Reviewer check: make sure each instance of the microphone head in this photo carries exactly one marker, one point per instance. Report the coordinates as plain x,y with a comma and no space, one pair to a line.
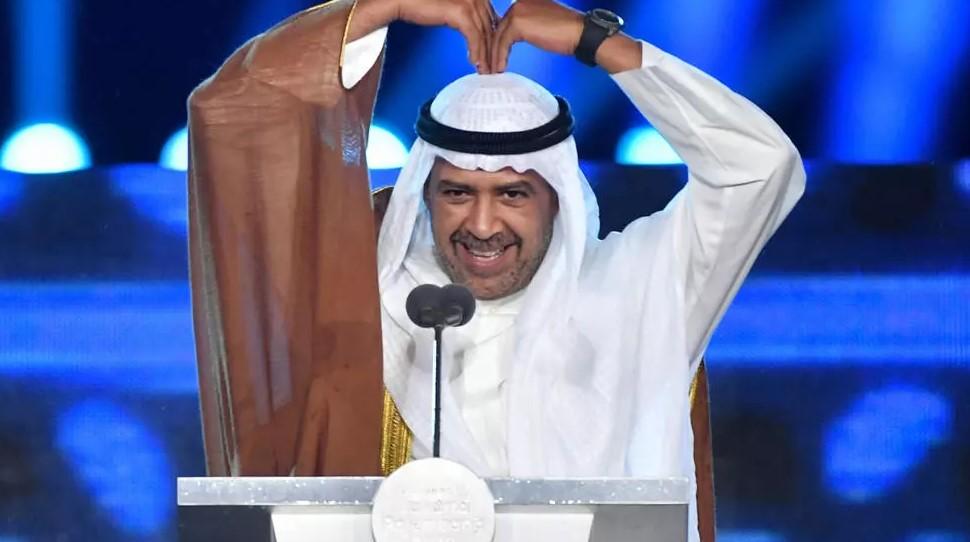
424,305
457,305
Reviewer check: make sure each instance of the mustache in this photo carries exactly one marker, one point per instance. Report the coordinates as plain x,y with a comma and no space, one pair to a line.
498,241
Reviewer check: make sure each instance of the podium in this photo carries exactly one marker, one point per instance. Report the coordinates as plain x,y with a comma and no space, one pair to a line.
253,509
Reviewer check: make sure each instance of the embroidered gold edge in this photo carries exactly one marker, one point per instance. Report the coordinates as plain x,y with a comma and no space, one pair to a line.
395,437
693,385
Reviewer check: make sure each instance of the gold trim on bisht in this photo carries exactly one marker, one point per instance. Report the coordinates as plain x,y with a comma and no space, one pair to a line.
395,438
693,384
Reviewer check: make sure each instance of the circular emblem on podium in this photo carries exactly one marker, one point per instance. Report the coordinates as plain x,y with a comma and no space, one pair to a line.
433,500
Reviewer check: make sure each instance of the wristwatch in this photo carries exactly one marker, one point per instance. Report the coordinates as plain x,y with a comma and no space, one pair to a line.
598,25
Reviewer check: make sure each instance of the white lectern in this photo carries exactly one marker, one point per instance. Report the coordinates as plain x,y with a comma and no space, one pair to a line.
251,509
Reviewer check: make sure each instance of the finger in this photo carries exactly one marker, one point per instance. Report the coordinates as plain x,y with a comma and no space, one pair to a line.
493,50
465,23
485,30
505,36
482,33
487,11
488,17
473,37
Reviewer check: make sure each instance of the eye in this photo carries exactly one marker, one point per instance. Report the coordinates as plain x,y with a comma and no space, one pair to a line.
454,194
515,194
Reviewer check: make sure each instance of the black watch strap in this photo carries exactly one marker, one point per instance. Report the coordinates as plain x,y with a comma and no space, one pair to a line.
592,37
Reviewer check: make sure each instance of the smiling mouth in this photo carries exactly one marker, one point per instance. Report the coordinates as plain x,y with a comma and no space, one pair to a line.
484,262
485,255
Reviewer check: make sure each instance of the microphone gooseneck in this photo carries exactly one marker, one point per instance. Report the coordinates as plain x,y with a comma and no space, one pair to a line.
430,306
436,435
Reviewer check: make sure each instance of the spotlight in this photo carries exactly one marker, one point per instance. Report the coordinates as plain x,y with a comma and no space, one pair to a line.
175,153
645,146
384,149
44,148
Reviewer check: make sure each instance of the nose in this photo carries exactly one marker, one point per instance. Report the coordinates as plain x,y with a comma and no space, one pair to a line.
483,220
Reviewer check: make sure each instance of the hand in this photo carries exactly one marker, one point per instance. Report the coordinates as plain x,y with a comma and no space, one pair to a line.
475,19
545,24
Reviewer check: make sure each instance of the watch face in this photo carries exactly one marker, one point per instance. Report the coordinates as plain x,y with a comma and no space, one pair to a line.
606,18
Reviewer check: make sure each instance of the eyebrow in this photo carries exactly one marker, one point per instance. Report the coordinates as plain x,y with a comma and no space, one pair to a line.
522,185
445,184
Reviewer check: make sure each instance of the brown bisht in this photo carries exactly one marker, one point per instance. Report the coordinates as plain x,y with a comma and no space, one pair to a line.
283,259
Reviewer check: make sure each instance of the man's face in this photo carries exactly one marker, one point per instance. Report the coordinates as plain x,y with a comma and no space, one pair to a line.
491,230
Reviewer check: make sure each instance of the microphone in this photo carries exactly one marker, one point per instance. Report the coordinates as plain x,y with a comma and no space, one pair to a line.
433,306
457,305
423,305
430,306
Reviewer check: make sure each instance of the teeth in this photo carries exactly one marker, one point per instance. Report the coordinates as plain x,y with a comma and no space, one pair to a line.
486,255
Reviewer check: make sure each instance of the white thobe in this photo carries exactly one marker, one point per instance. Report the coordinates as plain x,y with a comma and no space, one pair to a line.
649,297
479,379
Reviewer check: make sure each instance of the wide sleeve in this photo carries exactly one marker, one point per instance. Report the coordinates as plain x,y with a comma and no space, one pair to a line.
283,259
744,176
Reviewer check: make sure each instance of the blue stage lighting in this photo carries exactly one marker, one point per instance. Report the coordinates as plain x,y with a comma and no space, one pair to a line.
44,148
937,536
175,153
897,67
86,334
645,146
767,323
961,175
158,194
384,149
11,190
886,434
121,462
42,46
741,535
714,35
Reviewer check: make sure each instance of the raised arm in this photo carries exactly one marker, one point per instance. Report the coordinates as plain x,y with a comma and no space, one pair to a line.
283,272
744,174
282,252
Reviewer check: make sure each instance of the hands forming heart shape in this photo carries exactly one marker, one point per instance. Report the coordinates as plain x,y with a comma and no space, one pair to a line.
546,24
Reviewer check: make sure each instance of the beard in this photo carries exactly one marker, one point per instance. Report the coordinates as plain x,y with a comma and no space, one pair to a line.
505,283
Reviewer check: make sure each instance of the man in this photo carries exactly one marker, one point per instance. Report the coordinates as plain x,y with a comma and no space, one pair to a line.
579,359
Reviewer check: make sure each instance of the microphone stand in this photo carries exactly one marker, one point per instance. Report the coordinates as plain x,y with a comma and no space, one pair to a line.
436,452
